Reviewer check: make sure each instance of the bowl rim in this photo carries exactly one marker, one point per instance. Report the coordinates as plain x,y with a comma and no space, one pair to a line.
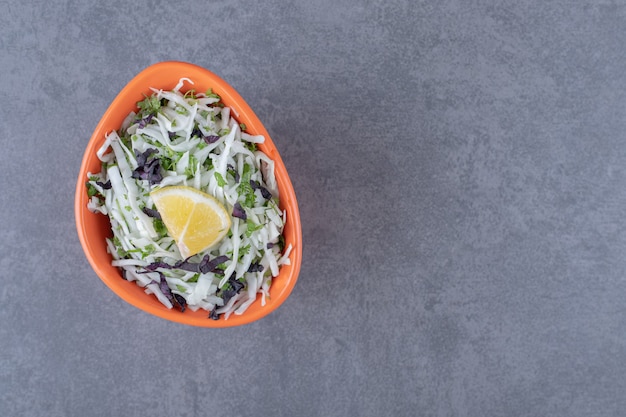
170,72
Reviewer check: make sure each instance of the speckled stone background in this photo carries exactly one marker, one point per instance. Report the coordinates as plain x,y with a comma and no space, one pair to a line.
461,173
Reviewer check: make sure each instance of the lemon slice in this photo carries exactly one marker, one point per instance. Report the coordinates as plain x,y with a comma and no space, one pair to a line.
194,219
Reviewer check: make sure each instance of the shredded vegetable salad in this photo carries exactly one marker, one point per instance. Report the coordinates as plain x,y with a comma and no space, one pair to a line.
190,139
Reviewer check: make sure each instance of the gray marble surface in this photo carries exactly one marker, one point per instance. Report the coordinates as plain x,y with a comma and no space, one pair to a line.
461,174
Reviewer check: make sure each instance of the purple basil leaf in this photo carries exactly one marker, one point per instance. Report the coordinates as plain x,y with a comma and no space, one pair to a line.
264,191
165,289
196,132
142,158
152,213
233,288
235,283
153,166
213,314
255,267
228,294
144,122
211,139
239,212
187,266
234,172
203,265
180,300
148,168
155,178
104,185
156,265
207,265
152,172
220,259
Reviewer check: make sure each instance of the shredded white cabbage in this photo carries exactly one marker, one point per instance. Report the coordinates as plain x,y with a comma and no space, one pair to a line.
198,143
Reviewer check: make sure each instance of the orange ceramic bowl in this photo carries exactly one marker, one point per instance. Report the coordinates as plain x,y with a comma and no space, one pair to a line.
94,228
